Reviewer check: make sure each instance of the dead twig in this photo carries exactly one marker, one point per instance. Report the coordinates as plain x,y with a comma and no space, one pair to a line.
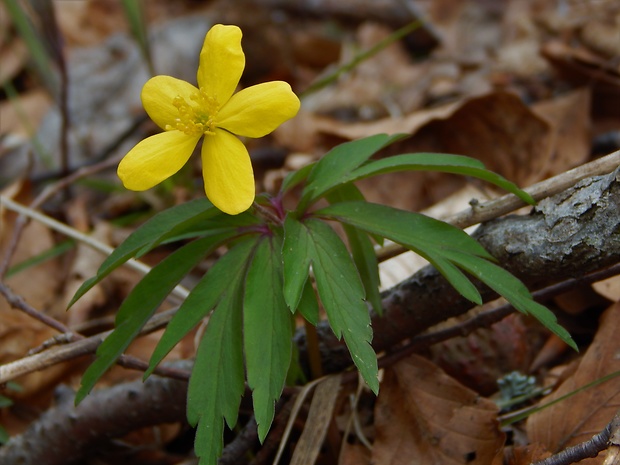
178,291
590,448
246,439
18,302
87,346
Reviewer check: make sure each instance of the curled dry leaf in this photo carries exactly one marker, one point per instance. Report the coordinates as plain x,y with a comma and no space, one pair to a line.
580,66
578,418
497,128
425,416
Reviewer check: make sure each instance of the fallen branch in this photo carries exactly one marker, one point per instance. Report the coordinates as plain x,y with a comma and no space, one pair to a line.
590,448
67,434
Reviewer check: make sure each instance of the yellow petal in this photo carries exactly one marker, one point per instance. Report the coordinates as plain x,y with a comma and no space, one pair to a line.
158,94
221,62
155,158
258,110
227,173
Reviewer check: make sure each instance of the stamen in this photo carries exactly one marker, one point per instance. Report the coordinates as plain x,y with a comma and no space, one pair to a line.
198,118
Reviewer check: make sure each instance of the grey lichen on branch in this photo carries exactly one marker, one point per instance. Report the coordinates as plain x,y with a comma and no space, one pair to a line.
566,235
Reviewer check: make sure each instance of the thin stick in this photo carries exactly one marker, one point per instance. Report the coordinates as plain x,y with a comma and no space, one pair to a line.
18,302
590,448
179,290
63,353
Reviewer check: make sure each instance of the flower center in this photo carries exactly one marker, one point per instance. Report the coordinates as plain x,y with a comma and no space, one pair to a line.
197,118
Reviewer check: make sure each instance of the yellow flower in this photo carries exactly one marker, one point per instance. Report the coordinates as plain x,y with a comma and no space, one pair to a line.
187,113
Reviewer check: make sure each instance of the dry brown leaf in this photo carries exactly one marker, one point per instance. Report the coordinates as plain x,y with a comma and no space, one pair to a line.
386,83
569,116
525,455
425,417
501,131
354,454
85,264
497,128
319,418
21,116
37,284
13,56
553,348
407,124
464,27
582,67
609,288
89,22
578,418
479,359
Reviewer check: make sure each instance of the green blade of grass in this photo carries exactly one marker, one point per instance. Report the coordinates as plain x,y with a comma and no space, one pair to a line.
44,256
363,56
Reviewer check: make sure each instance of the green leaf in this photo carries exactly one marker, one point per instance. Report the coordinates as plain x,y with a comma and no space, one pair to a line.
141,303
342,294
4,436
213,286
48,254
217,381
296,257
407,228
338,162
267,331
167,223
457,164
40,54
219,223
447,248
293,179
455,277
308,304
361,247
515,292
295,374
135,15
428,237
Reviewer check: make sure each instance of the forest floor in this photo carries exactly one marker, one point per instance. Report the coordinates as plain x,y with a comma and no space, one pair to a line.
531,88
